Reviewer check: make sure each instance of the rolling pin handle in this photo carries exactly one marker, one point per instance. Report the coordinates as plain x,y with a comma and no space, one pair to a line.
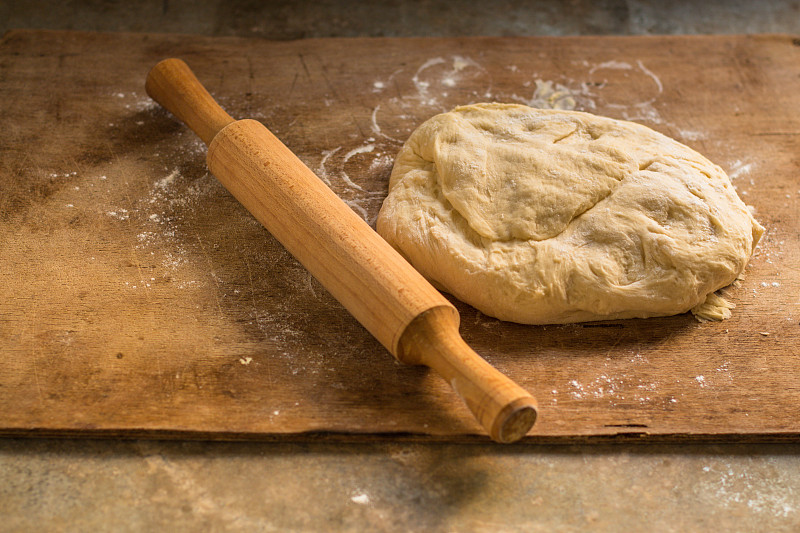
504,409
172,84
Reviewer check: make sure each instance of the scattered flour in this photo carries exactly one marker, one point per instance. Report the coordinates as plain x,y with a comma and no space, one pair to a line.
738,169
360,498
119,214
364,149
136,101
167,180
618,65
332,168
737,486
615,384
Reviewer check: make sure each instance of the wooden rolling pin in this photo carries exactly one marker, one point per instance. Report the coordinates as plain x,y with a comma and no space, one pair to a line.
361,270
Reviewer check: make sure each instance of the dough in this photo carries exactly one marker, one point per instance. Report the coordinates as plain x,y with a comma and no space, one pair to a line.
546,216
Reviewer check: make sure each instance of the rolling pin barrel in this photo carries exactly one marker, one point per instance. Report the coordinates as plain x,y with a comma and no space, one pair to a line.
361,270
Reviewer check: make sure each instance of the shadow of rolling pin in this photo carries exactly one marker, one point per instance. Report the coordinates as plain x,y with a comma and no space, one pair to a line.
361,270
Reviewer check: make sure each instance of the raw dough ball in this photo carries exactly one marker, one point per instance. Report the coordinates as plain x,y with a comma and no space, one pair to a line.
547,216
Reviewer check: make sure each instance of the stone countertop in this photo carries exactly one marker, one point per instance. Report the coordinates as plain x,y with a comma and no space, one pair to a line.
91,485
80,485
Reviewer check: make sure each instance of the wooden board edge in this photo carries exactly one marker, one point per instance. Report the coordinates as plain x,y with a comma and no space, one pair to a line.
618,438
21,32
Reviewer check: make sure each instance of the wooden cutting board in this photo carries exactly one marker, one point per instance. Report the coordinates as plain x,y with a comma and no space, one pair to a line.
138,298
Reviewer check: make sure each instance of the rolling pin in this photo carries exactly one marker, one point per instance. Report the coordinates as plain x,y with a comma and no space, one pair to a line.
361,270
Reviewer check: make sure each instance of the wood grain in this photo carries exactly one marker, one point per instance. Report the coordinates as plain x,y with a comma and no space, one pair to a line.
137,297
